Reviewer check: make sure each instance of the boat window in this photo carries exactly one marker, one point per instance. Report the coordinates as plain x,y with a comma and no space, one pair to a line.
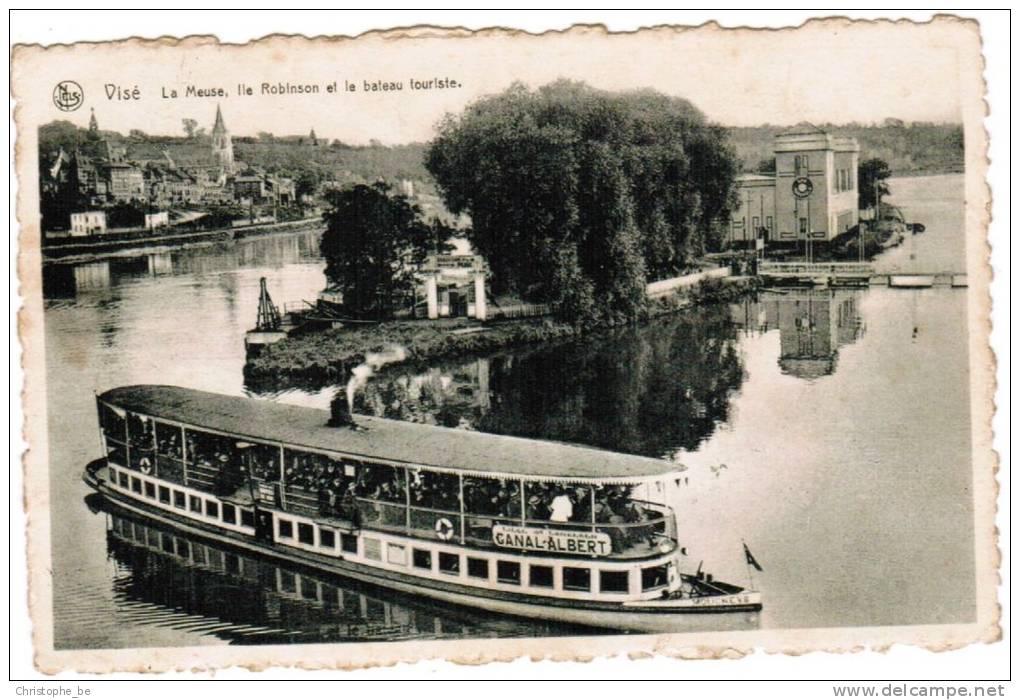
180,500
478,568
305,533
449,563
150,489
317,485
422,559
373,549
327,538
142,443
248,517
285,529
495,497
654,577
113,476
194,504
396,554
113,423
614,581
263,460
540,576
557,503
380,482
214,464
212,509
508,572
435,504
164,495
381,496
169,464
288,581
229,514
136,484
489,502
435,490
349,543
122,479
576,579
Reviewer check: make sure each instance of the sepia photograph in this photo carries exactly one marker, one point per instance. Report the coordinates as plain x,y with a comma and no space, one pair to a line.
488,344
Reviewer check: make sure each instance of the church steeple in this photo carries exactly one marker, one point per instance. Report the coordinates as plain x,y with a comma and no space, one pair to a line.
222,145
93,122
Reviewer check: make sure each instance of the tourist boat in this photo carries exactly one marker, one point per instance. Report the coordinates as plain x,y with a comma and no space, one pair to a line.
521,527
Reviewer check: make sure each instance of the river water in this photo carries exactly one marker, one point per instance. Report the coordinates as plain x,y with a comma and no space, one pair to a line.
829,430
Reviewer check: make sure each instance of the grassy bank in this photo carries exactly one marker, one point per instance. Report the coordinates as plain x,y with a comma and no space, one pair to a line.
326,357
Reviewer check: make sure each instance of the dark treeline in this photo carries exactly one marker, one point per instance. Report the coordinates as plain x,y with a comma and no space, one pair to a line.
578,196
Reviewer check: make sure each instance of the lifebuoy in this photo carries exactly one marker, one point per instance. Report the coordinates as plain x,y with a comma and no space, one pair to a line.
444,529
145,465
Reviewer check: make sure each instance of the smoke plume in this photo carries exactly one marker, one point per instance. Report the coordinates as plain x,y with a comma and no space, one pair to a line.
373,362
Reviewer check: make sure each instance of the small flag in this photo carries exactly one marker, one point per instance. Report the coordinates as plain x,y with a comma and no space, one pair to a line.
751,561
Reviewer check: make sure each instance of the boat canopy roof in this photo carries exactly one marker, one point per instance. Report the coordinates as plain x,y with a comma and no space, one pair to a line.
412,444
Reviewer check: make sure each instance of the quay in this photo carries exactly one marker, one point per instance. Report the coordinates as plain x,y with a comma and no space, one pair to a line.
855,274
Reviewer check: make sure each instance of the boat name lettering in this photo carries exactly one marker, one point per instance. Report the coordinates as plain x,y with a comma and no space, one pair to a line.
564,541
719,600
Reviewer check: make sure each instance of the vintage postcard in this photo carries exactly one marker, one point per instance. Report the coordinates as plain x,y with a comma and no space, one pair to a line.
438,344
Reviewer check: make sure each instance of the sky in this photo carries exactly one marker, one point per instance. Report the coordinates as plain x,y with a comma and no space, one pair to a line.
824,73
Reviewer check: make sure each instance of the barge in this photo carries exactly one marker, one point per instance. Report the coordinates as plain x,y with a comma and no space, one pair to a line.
522,527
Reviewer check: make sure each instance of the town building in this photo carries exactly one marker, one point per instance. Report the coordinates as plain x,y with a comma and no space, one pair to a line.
124,182
222,145
812,195
87,223
159,219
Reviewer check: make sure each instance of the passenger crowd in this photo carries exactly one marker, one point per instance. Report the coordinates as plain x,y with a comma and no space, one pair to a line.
341,489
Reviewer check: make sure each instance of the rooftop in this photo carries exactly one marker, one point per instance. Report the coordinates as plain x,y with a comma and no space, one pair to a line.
387,440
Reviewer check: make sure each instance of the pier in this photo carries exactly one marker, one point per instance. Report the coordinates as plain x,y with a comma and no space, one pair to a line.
856,274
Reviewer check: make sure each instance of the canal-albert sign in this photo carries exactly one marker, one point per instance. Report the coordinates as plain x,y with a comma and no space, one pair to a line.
560,541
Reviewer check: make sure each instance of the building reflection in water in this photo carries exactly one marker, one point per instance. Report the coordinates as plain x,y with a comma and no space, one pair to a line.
166,578
813,324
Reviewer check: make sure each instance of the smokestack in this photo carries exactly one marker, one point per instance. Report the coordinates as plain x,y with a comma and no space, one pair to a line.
340,415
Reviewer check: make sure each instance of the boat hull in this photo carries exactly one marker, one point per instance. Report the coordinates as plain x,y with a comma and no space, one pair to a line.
737,611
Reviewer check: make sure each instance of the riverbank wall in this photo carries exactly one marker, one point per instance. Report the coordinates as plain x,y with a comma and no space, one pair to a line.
92,249
318,359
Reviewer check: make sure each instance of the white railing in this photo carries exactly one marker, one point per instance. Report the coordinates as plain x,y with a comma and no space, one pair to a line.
836,268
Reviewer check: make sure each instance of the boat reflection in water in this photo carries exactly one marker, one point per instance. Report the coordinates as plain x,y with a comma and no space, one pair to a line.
166,578
813,325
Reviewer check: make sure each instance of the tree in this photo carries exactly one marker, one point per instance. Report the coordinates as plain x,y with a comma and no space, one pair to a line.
766,166
577,196
872,176
189,127
374,242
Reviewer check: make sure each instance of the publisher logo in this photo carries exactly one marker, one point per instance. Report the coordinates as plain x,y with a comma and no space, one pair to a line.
68,96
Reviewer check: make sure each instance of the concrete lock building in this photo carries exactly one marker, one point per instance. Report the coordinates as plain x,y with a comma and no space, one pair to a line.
812,196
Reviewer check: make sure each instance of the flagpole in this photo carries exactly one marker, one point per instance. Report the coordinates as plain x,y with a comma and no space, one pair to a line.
747,564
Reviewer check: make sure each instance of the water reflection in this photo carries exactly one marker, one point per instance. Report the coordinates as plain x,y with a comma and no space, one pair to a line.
652,390
166,578
75,280
812,323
